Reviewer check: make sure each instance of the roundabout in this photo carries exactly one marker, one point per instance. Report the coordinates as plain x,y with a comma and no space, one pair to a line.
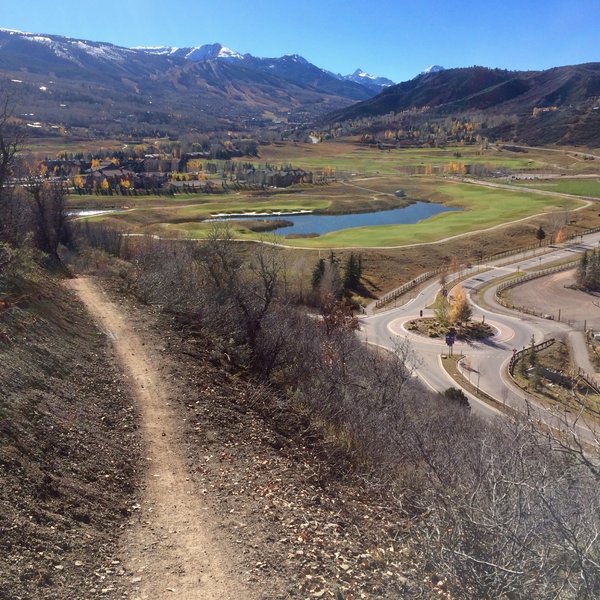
501,333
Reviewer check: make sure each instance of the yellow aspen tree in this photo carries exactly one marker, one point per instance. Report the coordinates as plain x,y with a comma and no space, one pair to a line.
561,236
460,310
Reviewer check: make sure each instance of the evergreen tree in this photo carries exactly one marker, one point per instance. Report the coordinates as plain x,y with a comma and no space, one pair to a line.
588,271
532,356
352,272
593,273
318,273
540,235
582,270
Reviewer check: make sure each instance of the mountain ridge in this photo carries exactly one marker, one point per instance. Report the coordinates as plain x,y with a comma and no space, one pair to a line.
113,87
557,105
217,51
65,82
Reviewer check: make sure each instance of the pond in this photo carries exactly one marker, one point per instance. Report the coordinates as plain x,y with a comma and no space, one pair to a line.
304,224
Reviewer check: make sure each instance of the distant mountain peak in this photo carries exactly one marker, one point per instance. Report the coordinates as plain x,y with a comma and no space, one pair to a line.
432,69
361,73
225,52
364,78
296,58
198,53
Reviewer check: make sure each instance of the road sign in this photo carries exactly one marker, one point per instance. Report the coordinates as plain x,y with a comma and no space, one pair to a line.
450,339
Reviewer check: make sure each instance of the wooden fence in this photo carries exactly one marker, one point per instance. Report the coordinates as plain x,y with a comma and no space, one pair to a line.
529,277
536,348
391,296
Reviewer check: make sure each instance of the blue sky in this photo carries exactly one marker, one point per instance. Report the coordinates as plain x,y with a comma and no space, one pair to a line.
394,38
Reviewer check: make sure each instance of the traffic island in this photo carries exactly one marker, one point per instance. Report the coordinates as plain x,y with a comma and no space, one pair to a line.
433,328
451,365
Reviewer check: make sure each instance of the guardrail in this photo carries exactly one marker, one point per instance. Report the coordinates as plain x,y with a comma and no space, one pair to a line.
536,348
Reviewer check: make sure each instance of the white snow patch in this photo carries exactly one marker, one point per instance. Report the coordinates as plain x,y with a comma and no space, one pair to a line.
40,38
14,31
433,69
103,51
228,53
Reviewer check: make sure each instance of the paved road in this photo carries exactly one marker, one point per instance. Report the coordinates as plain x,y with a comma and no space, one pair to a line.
488,358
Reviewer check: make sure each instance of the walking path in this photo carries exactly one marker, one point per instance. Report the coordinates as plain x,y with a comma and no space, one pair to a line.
173,551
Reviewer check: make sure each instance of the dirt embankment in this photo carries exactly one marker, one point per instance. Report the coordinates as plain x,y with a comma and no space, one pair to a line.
69,452
300,525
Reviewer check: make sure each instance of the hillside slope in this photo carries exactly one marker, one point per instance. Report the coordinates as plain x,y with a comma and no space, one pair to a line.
559,105
69,451
93,85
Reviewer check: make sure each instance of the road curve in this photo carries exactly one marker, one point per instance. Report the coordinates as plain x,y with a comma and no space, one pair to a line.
489,358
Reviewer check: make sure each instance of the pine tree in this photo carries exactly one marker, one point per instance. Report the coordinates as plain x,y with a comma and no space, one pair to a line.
352,272
540,235
592,282
317,273
532,357
582,271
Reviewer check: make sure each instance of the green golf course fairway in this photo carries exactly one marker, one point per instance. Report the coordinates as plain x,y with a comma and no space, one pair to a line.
578,187
482,208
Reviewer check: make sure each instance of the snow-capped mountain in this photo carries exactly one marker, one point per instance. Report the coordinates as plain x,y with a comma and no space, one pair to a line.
371,81
69,49
199,53
87,84
292,66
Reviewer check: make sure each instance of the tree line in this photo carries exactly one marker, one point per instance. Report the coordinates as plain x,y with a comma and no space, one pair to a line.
588,271
33,222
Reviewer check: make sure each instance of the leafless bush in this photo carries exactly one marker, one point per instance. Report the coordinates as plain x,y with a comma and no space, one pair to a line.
100,236
517,521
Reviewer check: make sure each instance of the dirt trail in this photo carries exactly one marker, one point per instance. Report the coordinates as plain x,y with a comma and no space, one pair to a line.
173,550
